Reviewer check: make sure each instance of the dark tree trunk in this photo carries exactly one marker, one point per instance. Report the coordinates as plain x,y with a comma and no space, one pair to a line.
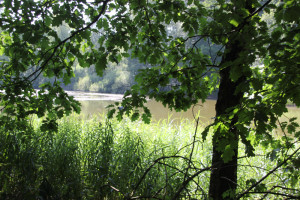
224,175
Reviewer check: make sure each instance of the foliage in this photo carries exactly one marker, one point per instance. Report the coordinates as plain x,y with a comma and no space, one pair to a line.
49,37
87,160
117,78
99,159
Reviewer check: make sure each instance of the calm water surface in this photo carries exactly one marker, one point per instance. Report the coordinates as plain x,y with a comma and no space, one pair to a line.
95,103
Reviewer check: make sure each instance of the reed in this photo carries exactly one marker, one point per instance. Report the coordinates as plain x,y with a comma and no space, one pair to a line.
107,159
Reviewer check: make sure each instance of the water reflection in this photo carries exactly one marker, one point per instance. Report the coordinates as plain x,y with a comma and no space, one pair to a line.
158,111
95,103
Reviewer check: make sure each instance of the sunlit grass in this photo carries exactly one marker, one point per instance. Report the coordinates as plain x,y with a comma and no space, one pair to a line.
97,158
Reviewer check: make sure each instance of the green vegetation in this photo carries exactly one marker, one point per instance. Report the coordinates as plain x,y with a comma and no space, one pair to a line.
250,55
117,78
98,159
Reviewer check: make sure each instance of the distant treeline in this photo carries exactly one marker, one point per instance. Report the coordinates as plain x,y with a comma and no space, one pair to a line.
117,78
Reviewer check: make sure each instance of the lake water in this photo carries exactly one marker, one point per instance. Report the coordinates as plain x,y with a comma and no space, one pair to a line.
95,103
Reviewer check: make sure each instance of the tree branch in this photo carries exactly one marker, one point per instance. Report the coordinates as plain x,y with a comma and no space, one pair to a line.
258,10
150,167
184,184
68,38
268,174
276,193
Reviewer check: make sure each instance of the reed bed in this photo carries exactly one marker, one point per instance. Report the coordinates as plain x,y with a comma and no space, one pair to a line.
107,159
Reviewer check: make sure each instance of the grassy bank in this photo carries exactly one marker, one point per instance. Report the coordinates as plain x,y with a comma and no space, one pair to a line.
100,159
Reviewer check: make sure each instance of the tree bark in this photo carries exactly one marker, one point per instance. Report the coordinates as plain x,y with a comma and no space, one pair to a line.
224,175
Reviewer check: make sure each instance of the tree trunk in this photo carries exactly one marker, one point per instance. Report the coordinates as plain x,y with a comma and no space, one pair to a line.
224,175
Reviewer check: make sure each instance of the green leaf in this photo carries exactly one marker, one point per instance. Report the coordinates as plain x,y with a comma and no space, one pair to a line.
257,84
234,22
228,154
135,116
292,13
60,113
205,132
235,73
101,65
49,125
260,188
146,118
7,3
83,63
102,23
2,49
57,21
111,113
48,21
276,34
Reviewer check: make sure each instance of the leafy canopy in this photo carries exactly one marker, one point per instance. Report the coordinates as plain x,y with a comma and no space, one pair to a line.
185,67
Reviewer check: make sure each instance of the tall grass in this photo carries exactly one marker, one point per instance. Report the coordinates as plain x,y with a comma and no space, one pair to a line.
101,159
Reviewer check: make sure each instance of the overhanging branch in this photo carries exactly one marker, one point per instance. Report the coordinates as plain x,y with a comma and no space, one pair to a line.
41,68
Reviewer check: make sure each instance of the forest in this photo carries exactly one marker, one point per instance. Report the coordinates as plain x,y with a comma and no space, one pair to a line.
176,52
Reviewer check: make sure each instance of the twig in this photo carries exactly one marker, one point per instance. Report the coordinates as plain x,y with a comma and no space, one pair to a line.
276,193
193,143
68,38
149,168
268,174
258,10
277,186
184,184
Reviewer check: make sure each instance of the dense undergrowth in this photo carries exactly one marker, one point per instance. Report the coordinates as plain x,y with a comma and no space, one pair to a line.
101,159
